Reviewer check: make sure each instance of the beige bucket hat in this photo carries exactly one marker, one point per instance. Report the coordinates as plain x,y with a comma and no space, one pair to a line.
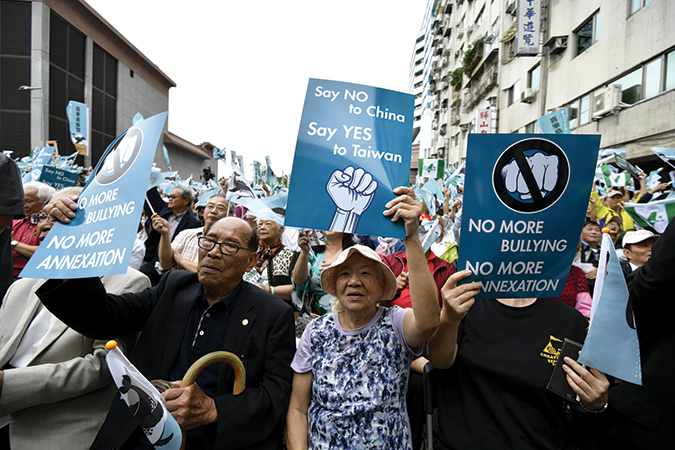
328,276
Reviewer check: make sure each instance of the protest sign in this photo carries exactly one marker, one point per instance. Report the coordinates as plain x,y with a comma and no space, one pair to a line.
524,205
612,345
98,240
58,178
43,157
353,149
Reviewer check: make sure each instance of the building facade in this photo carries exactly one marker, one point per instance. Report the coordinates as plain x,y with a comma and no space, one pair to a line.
64,50
610,63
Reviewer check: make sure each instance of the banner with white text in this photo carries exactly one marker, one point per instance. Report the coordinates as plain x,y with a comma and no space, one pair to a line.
99,239
525,200
353,149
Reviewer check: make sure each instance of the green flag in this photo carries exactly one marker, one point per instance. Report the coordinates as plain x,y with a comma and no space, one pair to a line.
615,178
431,168
656,214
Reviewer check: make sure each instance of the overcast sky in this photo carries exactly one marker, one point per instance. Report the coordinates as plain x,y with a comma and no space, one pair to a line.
241,68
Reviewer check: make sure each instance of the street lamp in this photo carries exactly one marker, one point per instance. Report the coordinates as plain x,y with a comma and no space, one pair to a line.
42,97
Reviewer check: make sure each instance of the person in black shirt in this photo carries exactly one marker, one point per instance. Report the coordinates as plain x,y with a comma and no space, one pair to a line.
499,355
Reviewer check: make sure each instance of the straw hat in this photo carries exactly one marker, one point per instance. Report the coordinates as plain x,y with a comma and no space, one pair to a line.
328,276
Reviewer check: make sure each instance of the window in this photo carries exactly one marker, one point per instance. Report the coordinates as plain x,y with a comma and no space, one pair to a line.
637,4
104,102
653,78
15,31
531,128
513,93
66,78
533,77
631,86
574,113
670,70
587,34
584,109
479,19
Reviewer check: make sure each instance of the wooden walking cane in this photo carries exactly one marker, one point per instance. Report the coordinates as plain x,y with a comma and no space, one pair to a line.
202,363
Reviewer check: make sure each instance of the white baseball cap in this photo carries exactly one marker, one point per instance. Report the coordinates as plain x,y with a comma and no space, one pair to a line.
633,237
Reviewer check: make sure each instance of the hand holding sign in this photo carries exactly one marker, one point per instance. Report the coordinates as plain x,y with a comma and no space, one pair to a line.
63,209
405,207
458,300
352,192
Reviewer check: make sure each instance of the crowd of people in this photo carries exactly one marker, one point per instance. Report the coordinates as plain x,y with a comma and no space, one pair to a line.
334,329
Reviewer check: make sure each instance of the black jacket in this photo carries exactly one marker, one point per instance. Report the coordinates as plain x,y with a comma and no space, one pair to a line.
261,332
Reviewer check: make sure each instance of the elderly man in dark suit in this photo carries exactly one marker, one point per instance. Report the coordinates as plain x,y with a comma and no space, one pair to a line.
184,317
177,212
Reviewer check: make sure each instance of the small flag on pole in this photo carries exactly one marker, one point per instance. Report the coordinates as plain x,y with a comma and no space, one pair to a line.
614,178
144,401
432,168
656,214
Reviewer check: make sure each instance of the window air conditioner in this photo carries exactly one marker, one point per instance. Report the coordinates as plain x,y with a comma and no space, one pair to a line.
527,96
464,126
606,100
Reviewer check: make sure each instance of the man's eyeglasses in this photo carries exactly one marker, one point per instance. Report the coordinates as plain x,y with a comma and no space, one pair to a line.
225,247
174,197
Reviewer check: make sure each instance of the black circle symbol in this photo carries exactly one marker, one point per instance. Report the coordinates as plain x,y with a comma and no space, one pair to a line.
121,157
531,175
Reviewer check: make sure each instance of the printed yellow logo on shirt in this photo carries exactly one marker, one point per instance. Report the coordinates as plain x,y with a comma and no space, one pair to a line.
552,350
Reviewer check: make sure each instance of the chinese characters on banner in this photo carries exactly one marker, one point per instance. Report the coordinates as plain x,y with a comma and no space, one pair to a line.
527,31
484,121
555,122
78,124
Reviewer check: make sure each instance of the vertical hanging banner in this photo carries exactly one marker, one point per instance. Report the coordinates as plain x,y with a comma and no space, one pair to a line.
353,149
271,178
98,240
529,24
78,120
525,200
555,122
484,121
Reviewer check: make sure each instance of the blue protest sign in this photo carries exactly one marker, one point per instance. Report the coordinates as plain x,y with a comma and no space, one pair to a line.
78,122
525,200
98,240
58,178
353,149
611,345
555,122
44,156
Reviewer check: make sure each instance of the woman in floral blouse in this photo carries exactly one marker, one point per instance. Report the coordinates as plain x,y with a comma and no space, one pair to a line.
351,366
